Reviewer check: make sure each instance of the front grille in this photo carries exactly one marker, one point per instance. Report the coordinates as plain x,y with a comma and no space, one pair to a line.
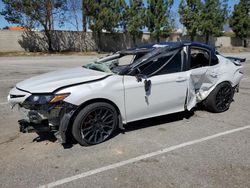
16,96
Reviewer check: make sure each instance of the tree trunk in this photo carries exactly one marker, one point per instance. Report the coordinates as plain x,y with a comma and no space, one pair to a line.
49,38
207,38
84,27
84,22
84,40
49,26
134,40
244,43
192,37
98,41
158,37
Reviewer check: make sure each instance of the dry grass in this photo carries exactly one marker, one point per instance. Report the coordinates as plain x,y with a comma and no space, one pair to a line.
233,49
16,54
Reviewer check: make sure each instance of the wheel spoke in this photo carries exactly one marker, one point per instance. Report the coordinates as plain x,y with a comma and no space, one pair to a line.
92,136
110,115
108,126
96,134
105,114
105,132
87,129
97,125
109,122
101,136
86,134
223,98
100,113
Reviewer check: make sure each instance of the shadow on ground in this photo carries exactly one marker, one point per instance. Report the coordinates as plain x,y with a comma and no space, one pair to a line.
141,124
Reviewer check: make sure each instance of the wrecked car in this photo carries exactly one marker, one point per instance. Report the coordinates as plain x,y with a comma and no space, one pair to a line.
89,103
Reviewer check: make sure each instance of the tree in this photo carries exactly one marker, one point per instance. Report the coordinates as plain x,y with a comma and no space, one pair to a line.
157,18
240,20
134,13
213,17
84,17
33,13
102,15
190,12
74,8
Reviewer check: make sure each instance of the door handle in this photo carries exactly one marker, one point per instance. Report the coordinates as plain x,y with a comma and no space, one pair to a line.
181,79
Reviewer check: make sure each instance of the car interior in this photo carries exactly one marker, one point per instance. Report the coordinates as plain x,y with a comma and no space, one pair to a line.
162,65
199,58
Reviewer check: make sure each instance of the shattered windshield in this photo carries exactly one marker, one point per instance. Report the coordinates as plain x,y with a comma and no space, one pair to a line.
120,63
111,64
102,66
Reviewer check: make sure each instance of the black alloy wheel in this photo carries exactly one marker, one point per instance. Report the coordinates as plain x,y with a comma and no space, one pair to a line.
95,123
224,98
220,98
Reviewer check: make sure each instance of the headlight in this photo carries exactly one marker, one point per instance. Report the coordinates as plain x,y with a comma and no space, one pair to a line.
59,97
43,99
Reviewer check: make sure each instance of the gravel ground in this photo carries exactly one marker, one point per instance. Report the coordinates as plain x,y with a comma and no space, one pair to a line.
219,162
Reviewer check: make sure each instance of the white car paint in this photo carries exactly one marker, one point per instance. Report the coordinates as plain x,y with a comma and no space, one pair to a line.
167,95
168,92
48,82
203,80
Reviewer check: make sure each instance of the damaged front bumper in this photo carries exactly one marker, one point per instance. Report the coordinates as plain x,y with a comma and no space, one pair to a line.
42,117
47,118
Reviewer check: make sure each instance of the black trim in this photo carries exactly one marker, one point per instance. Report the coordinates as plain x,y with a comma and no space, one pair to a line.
23,90
16,96
63,87
241,60
71,85
200,48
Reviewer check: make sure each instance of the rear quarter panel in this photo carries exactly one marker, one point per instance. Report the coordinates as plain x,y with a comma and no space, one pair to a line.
228,72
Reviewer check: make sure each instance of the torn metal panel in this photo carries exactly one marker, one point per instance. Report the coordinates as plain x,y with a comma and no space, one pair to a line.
50,117
201,81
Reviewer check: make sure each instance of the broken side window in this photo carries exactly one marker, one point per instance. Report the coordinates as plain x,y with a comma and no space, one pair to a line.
199,58
163,65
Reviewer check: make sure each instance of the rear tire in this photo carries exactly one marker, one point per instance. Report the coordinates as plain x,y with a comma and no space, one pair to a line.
220,98
95,123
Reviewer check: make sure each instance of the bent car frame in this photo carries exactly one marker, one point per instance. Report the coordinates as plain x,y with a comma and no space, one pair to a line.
88,103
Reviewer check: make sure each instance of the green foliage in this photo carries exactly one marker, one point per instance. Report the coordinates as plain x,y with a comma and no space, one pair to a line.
240,20
213,17
205,17
133,17
190,13
103,15
33,13
157,18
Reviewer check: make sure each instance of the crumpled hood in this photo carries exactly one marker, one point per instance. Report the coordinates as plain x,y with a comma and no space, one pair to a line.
49,82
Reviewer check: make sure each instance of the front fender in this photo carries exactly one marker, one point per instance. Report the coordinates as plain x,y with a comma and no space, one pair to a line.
111,89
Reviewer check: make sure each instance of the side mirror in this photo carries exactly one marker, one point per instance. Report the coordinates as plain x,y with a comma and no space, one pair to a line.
139,77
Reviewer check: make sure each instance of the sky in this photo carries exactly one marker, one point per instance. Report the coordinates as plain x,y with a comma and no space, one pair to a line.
68,26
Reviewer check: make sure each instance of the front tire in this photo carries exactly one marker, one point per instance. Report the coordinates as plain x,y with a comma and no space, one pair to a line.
95,123
220,98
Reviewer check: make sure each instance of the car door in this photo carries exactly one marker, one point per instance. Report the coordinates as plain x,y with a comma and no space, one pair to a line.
166,93
203,75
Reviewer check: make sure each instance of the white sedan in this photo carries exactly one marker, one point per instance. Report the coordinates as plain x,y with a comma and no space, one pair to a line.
88,103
